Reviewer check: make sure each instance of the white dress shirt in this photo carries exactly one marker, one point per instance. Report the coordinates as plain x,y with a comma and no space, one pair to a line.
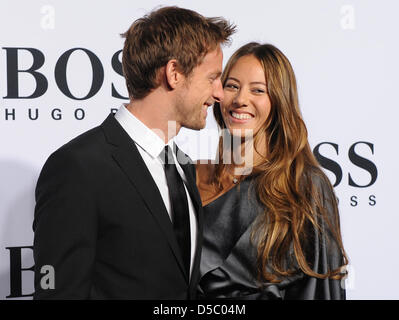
150,146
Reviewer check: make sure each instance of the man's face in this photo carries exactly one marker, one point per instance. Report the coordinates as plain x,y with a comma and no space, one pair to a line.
199,91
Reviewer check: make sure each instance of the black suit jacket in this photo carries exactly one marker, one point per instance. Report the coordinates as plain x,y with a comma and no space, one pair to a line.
101,223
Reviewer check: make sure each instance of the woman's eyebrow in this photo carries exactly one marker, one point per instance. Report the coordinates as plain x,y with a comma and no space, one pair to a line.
254,82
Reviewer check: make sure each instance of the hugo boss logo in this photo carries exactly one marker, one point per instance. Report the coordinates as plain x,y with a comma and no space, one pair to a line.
14,73
360,155
25,65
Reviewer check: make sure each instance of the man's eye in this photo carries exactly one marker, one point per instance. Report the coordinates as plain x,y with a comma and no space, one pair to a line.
212,79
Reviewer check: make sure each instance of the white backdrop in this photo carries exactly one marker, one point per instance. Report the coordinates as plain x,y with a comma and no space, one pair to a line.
345,55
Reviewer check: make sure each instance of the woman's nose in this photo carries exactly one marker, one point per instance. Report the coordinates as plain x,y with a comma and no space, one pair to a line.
241,99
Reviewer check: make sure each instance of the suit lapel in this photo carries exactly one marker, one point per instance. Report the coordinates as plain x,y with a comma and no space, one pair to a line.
131,163
189,171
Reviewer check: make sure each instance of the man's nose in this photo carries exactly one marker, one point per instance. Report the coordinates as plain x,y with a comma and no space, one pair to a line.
218,93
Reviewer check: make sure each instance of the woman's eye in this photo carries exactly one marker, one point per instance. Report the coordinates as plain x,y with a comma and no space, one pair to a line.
258,91
231,86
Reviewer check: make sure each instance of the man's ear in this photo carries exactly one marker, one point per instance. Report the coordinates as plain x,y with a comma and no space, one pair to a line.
173,76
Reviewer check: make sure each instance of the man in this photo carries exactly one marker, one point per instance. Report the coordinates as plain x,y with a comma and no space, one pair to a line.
116,217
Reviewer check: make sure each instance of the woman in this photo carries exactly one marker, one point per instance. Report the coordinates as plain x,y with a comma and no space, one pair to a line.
271,223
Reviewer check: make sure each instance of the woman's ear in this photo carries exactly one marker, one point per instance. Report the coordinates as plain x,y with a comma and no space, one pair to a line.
173,76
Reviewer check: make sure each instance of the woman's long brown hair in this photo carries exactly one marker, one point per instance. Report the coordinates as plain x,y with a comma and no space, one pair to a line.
294,206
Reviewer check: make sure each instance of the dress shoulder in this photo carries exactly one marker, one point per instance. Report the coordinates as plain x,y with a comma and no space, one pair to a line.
325,194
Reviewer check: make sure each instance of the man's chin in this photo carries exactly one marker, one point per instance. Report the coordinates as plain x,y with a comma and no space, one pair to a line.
198,125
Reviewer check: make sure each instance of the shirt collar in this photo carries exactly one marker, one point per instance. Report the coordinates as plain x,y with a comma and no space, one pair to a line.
143,136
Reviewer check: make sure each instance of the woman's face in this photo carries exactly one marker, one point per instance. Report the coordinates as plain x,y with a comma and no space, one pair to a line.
246,104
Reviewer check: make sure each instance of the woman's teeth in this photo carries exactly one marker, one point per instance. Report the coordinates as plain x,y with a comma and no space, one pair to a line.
241,116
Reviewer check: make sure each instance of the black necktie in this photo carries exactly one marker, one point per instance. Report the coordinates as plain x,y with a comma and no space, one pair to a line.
180,213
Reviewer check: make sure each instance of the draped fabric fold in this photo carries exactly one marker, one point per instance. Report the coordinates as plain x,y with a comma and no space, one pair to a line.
228,265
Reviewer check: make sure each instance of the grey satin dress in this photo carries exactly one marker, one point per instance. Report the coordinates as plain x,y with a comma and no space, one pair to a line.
228,269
